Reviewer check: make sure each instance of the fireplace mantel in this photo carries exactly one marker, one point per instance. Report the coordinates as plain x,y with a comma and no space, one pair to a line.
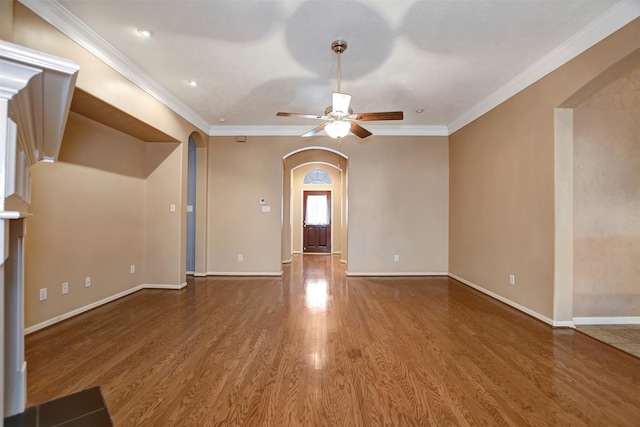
35,95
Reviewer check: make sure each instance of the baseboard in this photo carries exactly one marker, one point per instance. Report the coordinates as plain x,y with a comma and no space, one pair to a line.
189,273
80,310
617,320
515,305
394,273
287,261
245,273
162,286
563,324
199,274
97,304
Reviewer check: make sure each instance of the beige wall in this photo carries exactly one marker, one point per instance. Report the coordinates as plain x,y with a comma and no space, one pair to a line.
397,202
607,200
336,203
159,236
163,167
398,205
240,175
502,183
88,220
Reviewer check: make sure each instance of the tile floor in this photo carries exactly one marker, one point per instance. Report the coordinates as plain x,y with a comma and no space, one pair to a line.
624,337
83,409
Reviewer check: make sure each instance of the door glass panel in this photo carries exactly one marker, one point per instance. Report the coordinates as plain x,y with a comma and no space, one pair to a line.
317,210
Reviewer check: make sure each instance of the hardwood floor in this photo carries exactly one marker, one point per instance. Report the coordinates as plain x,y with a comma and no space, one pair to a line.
315,348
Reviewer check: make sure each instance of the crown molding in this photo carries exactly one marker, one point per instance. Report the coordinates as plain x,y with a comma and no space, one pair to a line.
59,17
277,130
608,23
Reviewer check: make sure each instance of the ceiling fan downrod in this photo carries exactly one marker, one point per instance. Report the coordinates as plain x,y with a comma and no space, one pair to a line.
338,47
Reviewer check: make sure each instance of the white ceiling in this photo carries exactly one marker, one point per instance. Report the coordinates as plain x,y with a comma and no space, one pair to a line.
454,59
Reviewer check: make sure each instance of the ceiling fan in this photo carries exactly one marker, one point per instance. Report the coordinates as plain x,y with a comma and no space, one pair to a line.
339,118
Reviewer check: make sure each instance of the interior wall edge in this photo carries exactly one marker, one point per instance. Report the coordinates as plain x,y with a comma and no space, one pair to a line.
504,300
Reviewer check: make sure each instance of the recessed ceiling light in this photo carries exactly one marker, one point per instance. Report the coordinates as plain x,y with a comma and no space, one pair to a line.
420,110
145,32
193,83
221,120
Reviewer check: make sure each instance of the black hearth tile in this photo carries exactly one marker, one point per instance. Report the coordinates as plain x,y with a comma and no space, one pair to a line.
29,418
71,407
99,418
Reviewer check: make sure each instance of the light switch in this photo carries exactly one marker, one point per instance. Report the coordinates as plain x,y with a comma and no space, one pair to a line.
266,209
172,208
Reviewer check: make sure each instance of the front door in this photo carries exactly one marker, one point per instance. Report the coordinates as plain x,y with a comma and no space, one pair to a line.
316,222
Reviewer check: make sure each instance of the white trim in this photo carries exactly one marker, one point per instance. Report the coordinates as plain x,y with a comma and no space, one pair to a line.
301,165
163,286
605,25
315,147
287,261
563,324
32,57
244,273
80,310
500,298
14,214
297,130
96,304
55,14
618,320
394,273
199,274
189,273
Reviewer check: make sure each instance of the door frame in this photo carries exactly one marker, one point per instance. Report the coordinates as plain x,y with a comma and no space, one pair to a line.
321,189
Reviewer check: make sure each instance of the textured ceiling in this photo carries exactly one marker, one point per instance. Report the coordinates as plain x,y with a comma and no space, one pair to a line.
252,59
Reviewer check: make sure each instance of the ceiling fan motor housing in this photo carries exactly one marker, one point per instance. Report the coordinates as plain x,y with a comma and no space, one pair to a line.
339,46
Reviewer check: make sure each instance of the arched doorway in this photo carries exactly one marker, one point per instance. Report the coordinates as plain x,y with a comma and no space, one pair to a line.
196,190
295,167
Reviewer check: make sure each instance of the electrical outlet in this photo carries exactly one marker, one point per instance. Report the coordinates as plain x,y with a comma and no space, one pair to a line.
87,282
65,288
133,269
396,258
43,294
239,257
512,279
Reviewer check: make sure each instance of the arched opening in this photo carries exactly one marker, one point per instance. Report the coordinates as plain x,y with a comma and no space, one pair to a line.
596,221
196,223
296,165
191,203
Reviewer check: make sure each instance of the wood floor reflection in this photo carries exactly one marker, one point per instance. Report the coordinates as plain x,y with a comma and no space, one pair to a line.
315,348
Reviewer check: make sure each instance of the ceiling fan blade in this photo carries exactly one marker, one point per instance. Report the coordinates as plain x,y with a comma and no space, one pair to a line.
358,130
341,103
387,115
299,115
315,130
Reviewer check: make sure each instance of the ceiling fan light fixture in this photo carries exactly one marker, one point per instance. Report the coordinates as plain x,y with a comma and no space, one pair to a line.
337,129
